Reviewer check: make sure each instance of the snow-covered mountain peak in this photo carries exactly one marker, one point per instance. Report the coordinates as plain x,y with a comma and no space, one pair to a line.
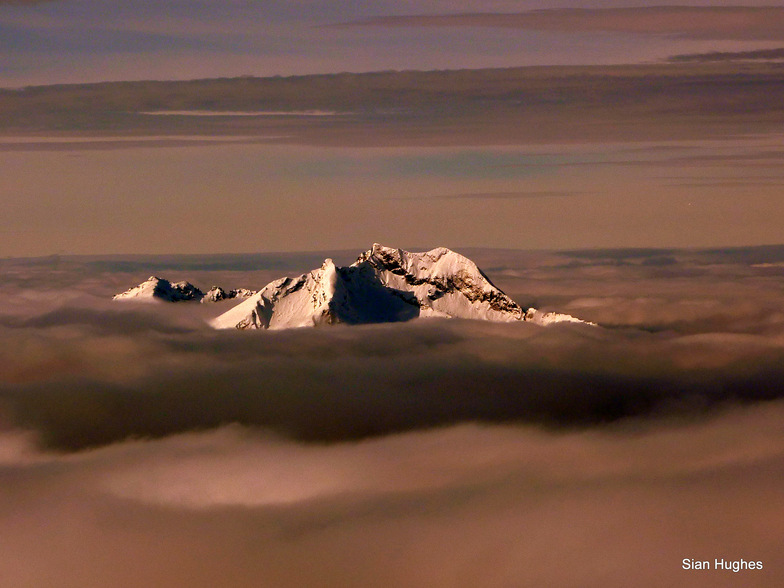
384,284
155,288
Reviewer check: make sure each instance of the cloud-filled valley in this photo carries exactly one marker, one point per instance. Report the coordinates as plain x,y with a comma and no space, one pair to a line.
680,335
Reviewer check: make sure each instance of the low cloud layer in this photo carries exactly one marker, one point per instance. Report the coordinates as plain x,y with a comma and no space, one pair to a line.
140,447
461,506
680,336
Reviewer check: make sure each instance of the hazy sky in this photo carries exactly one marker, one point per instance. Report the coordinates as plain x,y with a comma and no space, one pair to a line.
255,197
93,40
173,197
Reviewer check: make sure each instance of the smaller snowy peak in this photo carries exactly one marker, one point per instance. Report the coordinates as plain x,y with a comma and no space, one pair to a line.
218,294
155,288
241,293
160,289
215,294
550,318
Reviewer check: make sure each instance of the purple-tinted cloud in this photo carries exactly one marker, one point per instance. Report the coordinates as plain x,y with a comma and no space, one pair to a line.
734,22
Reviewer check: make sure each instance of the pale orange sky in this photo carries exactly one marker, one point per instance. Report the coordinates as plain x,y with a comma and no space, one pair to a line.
252,197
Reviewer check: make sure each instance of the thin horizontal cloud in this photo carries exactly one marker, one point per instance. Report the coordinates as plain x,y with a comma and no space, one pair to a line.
750,157
744,179
24,2
111,143
498,195
759,55
727,184
698,22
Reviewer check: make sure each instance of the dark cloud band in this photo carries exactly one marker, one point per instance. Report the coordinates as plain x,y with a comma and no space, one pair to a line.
760,55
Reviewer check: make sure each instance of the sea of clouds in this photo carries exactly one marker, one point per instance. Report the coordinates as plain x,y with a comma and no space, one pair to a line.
139,447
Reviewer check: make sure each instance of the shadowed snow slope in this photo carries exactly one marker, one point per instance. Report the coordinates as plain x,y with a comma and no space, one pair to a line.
383,285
